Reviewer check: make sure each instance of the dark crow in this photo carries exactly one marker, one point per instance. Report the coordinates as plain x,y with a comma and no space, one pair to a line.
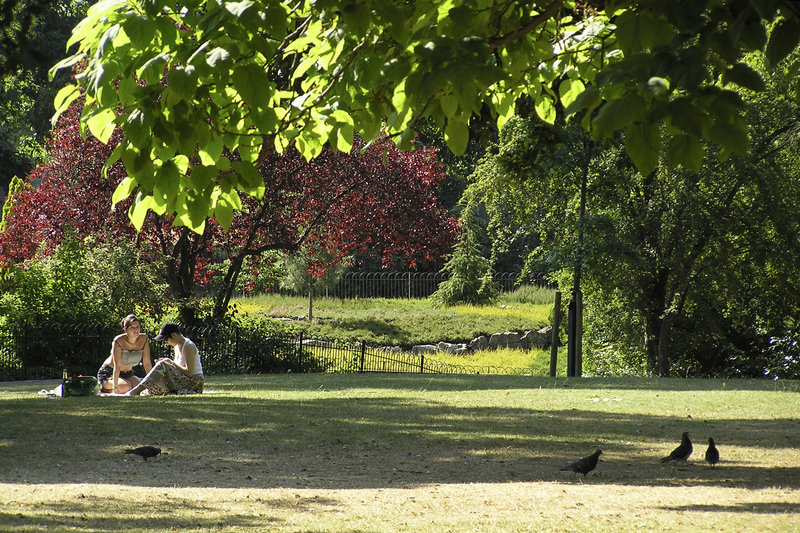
144,452
712,453
585,465
682,452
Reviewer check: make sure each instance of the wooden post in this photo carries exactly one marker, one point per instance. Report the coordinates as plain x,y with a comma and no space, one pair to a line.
579,334
554,338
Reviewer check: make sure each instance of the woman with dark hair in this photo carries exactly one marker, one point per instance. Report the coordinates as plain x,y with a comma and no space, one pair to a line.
127,350
181,375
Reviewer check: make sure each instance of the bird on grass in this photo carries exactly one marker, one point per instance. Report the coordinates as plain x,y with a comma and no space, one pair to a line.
144,452
712,453
682,452
585,465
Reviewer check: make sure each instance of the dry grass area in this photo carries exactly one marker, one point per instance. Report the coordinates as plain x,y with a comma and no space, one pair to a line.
361,453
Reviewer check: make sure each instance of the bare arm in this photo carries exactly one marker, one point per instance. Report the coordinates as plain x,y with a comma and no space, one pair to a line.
147,361
116,352
189,355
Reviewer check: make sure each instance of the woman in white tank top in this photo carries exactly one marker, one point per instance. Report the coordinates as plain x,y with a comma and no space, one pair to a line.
181,375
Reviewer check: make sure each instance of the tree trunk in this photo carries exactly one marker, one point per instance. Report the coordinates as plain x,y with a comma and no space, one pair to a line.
651,332
665,346
310,302
658,332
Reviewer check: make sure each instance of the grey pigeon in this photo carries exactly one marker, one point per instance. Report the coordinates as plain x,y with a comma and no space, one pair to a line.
712,453
682,452
585,465
144,452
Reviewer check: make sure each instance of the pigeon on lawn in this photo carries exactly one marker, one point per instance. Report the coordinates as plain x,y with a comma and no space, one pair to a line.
712,453
144,452
682,452
585,465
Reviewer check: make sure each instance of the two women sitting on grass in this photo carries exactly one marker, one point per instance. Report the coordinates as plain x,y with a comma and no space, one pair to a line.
183,374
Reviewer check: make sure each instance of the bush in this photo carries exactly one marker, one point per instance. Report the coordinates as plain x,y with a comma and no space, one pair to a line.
82,283
78,286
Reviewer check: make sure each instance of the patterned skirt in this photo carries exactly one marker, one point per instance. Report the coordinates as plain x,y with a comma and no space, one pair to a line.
165,379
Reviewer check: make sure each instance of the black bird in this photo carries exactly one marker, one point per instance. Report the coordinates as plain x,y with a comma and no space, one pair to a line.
682,452
144,452
712,453
585,465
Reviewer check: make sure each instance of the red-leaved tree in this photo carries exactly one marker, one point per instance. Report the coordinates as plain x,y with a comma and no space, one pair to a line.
375,199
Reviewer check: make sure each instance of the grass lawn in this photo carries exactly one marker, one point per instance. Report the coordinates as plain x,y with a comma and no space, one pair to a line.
402,453
389,322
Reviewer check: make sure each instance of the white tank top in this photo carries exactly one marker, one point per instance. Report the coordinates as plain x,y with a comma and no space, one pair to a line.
181,359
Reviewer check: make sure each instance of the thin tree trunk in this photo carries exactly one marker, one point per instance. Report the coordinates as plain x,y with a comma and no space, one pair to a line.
651,331
664,346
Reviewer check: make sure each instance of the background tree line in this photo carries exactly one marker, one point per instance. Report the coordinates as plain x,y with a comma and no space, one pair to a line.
686,133
685,272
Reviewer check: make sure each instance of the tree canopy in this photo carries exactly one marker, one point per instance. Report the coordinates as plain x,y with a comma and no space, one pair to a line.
379,200
684,272
188,82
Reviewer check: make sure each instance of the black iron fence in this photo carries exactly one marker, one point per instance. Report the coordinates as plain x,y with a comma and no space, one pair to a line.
43,352
413,284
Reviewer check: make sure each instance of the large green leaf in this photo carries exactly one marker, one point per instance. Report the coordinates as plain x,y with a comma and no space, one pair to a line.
731,136
640,30
643,145
123,190
64,98
686,150
546,109
783,39
182,84
616,115
166,187
456,134
744,76
569,91
253,84
102,124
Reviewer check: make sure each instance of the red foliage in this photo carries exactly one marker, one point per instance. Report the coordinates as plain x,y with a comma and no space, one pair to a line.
382,201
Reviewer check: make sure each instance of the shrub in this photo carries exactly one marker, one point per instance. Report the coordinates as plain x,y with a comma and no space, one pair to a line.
77,286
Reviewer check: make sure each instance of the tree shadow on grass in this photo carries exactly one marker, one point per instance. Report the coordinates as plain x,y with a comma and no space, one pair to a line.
433,382
375,328
334,440
750,507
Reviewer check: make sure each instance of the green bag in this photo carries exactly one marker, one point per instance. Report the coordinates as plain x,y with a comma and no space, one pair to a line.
80,386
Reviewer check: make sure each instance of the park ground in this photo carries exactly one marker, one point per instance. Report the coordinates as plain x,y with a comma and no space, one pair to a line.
375,453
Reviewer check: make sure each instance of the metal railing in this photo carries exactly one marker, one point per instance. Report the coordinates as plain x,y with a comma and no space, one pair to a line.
413,284
44,351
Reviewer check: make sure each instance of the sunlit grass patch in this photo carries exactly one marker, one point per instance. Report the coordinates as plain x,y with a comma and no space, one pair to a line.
398,322
342,453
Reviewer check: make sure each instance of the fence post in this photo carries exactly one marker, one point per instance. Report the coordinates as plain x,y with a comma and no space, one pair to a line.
300,351
579,334
554,337
363,354
421,363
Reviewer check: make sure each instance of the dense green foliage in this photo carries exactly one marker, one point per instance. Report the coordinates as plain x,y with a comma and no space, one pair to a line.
186,85
471,274
33,35
683,272
82,283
